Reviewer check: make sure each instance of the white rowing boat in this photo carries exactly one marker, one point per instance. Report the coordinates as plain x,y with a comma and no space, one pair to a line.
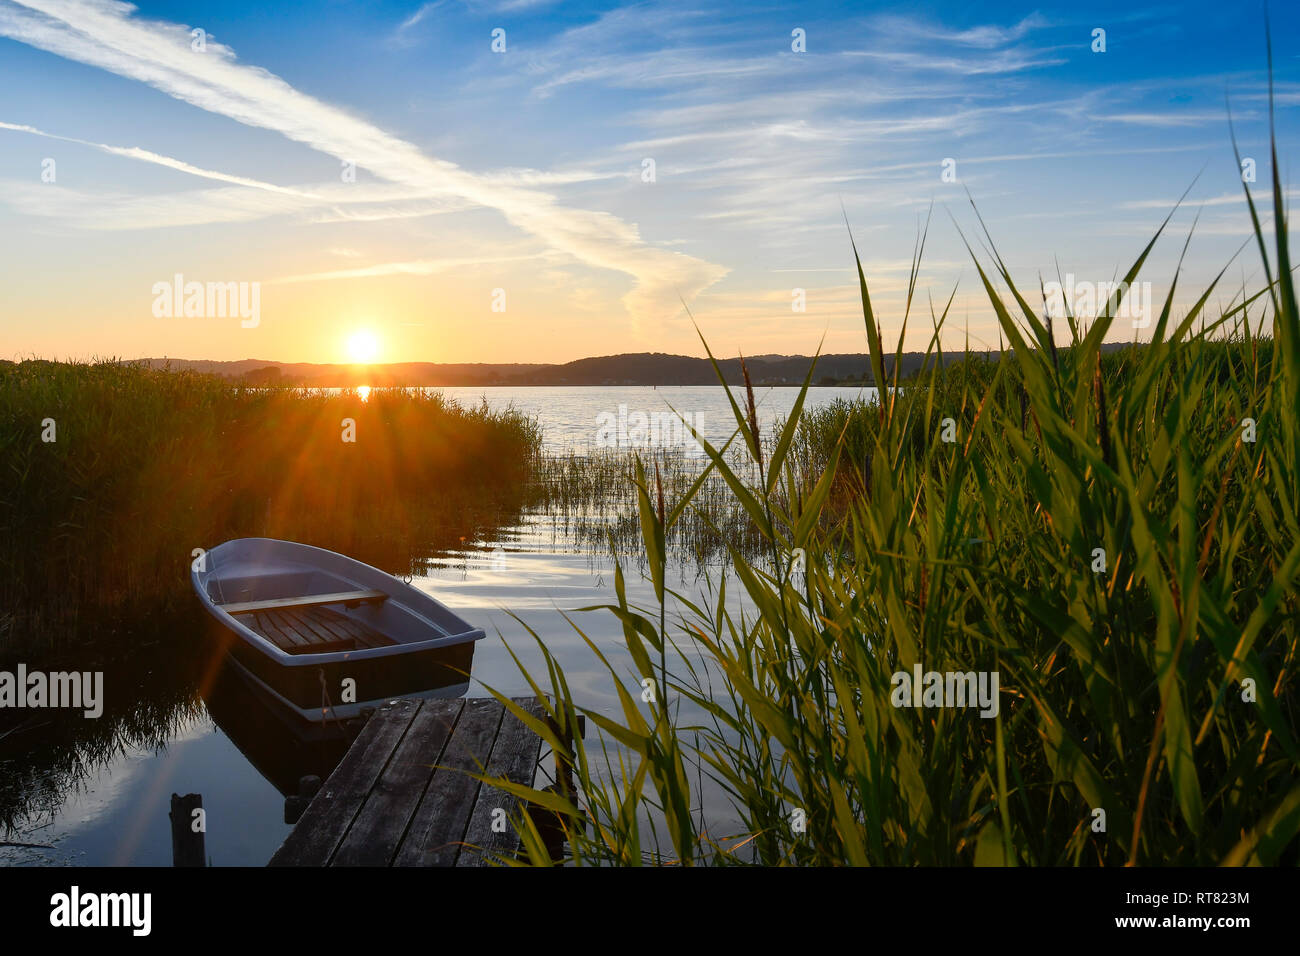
327,635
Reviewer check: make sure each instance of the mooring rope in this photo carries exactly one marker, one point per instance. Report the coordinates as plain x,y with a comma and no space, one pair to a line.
327,705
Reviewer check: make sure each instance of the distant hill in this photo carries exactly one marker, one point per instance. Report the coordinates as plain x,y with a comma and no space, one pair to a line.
399,373
633,368
642,368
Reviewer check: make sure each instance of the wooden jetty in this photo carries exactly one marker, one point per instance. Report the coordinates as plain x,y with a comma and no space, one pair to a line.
400,797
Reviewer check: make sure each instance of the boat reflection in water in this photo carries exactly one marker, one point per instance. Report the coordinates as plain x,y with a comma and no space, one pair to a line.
293,754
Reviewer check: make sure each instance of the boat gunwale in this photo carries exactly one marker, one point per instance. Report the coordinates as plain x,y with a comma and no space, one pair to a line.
319,715
392,584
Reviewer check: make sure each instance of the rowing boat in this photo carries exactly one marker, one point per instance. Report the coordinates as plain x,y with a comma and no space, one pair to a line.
327,635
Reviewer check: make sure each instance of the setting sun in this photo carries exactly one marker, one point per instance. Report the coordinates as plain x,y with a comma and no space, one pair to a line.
362,347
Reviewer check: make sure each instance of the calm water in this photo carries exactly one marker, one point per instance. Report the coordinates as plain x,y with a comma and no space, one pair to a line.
572,416
105,801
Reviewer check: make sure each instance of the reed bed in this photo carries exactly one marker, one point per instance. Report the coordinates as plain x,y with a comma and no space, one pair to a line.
1117,538
592,498
146,465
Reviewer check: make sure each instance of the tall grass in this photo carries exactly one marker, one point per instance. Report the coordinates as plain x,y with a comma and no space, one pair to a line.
1148,706
148,465
592,499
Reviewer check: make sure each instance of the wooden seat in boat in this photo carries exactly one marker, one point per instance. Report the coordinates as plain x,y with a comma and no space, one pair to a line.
348,598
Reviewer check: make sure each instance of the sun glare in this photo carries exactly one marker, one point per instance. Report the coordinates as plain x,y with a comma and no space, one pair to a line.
363,347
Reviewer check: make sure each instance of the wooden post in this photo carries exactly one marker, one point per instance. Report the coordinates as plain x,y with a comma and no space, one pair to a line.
354,726
551,825
187,844
296,806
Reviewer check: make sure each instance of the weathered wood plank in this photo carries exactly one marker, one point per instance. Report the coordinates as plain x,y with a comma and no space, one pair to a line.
403,794
317,640
315,630
332,626
514,757
433,838
308,640
266,627
289,626
325,823
337,597
319,632
345,627
382,821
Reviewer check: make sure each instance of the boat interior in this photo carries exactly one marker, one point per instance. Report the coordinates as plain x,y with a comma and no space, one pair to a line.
313,630
301,612
308,601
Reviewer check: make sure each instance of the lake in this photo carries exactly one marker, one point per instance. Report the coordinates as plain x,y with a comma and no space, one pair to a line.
87,798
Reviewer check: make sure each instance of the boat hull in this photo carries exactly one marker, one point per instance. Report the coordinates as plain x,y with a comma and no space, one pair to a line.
339,656
316,693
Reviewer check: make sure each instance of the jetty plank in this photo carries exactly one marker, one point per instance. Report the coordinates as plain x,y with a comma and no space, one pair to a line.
380,824
443,816
512,760
404,796
335,806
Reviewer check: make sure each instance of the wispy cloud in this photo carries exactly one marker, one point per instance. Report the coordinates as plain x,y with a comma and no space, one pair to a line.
114,211
1000,61
984,36
144,155
107,34
1228,199
421,267
759,152
200,207
1163,119
420,14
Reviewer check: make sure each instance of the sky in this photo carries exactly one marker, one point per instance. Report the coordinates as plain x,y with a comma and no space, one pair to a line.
531,181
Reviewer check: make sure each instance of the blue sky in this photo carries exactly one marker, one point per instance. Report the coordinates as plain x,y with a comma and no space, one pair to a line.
522,170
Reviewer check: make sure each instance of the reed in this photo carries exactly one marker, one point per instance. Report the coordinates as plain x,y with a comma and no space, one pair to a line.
592,499
1117,537
149,464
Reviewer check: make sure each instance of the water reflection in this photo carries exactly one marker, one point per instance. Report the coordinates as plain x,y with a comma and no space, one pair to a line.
178,715
49,757
283,747
279,743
